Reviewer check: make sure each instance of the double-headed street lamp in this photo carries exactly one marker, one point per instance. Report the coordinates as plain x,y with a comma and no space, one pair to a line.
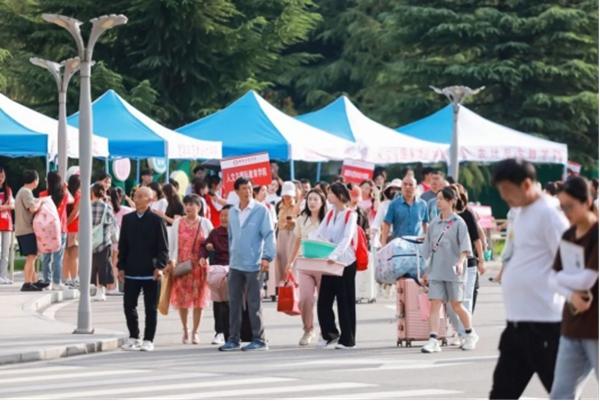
71,66
456,95
99,26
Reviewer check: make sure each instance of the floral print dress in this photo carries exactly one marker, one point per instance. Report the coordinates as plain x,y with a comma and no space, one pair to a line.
190,290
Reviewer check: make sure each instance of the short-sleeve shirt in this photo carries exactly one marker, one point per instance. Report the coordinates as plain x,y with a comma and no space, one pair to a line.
73,227
471,223
305,226
583,325
406,219
23,217
445,241
6,223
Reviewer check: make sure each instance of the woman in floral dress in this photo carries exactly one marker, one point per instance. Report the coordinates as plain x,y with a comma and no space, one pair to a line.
189,291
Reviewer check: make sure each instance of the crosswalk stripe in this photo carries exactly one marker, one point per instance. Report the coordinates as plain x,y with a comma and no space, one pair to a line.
69,375
242,393
104,392
92,382
381,394
11,371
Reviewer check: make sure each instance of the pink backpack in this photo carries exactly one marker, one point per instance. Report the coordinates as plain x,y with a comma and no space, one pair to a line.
46,226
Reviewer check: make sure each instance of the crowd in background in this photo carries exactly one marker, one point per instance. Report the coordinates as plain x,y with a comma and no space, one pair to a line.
256,231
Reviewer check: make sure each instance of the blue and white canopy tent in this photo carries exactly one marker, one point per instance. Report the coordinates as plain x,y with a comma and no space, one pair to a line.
25,133
132,134
482,140
251,125
377,143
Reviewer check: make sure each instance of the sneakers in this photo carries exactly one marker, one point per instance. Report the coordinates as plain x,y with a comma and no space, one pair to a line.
147,346
100,294
229,346
195,338
219,339
57,287
456,341
30,287
132,344
41,284
306,339
342,346
433,345
256,345
470,341
113,292
323,343
5,281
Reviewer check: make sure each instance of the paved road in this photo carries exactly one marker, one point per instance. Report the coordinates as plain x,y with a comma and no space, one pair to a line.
377,369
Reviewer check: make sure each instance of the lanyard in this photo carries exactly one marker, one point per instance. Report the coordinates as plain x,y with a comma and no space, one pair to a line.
439,240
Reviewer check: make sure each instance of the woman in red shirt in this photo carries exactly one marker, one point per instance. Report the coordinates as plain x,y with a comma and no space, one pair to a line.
7,204
52,262
70,266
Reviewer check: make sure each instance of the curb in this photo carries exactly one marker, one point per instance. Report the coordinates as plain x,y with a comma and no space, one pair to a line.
84,347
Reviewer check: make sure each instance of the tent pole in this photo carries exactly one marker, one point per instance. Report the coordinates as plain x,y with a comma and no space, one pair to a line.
167,172
318,172
47,165
292,170
106,165
453,167
137,174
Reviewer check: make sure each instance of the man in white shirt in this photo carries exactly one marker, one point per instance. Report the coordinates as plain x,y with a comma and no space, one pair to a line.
529,344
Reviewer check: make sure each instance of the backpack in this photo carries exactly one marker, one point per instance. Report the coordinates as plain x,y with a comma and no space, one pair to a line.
47,228
98,231
359,243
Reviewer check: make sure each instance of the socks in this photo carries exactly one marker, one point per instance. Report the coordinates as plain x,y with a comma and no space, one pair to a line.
433,335
468,331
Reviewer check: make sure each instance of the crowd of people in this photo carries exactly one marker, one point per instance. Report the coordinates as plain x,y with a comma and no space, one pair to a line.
257,231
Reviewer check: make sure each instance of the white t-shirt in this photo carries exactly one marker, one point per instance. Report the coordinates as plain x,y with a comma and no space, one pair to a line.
160,205
537,230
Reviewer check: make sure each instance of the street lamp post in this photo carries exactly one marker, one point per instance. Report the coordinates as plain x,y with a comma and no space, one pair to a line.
99,26
456,95
71,66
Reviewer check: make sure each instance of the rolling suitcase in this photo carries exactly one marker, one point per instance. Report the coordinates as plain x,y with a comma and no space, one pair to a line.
366,287
412,312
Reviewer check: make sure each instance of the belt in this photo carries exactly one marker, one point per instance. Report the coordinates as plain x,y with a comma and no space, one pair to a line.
517,325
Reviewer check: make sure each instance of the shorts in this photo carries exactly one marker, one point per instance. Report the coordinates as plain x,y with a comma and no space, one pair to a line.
72,240
27,244
446,291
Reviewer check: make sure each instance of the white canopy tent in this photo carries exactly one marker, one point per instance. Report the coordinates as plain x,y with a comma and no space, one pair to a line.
43,124
377,143
482,140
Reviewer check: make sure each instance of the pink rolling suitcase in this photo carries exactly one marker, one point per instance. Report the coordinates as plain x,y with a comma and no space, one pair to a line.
412,308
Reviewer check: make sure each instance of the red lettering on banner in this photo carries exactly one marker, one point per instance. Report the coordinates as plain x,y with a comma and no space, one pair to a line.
256,168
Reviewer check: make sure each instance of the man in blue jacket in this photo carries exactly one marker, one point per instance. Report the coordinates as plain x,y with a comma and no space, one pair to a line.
251,249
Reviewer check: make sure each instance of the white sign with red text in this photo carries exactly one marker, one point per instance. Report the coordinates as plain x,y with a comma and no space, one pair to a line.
356,172
255,167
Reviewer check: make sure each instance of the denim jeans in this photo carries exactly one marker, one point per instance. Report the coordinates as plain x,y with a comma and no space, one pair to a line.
470,279
574,363
52,263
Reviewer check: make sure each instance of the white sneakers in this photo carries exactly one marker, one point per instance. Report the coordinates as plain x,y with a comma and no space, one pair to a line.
470,341
342,346
5,281
132,344
306,339
219,339
147,346
433,345
100,294
324,344
57,287
456,341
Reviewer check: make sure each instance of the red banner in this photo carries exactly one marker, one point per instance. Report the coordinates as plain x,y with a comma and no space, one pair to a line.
356,171
256,167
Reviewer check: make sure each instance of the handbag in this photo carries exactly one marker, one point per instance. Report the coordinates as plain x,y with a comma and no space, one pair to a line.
183,268
216,279
287,301
165,294
98,231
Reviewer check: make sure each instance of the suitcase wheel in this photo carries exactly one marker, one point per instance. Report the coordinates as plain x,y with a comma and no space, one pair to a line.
273,298
445,342
408,344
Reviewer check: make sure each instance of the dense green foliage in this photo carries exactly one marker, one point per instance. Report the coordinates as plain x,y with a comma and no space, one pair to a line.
178,60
